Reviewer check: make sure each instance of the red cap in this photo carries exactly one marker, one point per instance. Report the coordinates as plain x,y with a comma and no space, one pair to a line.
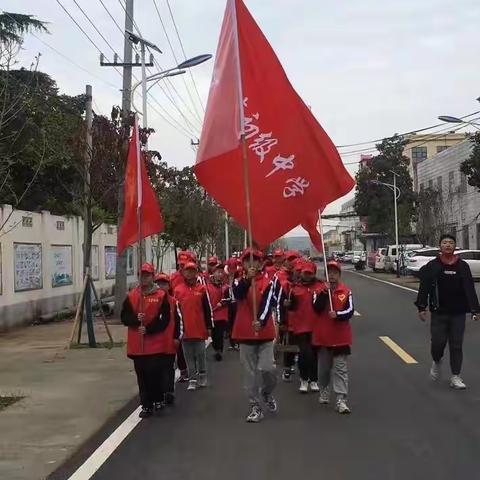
251,252
213,261
184,256
334,264
290,254
147,268
309,266
190,265
162,277
279,252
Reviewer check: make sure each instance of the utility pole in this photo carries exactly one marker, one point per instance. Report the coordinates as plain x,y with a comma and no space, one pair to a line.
87,218
395,190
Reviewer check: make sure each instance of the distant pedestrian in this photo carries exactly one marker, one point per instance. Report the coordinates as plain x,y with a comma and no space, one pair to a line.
448,291
196,313
151,340
332,336
255,331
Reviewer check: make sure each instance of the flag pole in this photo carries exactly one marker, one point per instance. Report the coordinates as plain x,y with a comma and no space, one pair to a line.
243,143
139,225
325,258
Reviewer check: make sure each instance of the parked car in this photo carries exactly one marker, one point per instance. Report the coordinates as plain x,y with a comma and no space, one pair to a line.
393,253
379,260
359,255
420,258
472,257
348,257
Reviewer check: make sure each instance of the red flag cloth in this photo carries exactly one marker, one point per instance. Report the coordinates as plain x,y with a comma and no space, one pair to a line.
294,168
310,225
138,194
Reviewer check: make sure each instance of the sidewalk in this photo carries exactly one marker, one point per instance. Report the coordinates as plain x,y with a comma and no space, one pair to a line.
68,396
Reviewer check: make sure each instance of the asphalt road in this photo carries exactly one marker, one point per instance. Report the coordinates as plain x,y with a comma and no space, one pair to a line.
402,427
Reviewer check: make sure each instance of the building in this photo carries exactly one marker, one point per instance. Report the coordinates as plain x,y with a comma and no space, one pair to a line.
351,227
425,146
460,201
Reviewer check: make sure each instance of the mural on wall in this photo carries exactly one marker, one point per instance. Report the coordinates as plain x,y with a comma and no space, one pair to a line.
27,262
61,265
110,262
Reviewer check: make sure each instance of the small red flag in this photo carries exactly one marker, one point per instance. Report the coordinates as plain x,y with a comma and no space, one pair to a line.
141,215
310,225
294,168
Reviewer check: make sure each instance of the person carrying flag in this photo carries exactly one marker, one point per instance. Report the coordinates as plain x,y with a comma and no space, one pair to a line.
151,340
332,336
219,293
255,331
196,313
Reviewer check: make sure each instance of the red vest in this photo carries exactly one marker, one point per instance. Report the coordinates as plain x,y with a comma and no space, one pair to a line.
328,332
190,300
243,328
303,318
217,293
161,342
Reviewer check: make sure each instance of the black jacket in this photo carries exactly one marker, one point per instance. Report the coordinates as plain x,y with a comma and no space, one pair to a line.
428,291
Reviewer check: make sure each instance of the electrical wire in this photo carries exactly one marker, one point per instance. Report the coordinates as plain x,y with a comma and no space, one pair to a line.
184,53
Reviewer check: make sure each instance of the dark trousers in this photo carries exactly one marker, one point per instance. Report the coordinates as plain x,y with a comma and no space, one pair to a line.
152,377
288,357
218,334
448,328
307,357
169,374
232,311
181,362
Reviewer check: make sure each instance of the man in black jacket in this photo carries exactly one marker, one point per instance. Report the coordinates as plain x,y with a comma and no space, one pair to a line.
447,289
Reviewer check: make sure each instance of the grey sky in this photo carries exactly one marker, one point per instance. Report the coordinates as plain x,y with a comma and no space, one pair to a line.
368,68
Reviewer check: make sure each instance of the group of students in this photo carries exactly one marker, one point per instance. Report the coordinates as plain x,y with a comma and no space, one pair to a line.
255,301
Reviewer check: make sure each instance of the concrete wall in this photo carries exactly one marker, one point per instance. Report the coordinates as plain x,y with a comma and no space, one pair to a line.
461,202
21,268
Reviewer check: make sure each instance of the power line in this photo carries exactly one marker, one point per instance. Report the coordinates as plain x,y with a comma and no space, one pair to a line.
113,18
175,58
184,54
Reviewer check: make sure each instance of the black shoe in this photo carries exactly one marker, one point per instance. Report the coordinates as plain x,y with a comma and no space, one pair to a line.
218,357
158,407
146,412
183,376
169,399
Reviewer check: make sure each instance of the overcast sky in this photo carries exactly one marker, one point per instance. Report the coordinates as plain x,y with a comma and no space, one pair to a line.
368,68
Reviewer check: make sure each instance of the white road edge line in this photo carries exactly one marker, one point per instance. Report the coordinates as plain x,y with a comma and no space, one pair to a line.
383,281
103,452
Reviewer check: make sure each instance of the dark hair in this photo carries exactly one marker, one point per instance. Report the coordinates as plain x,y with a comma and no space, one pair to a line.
449,236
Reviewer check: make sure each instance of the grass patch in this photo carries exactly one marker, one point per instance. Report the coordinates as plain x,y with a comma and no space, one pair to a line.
6,401
99,345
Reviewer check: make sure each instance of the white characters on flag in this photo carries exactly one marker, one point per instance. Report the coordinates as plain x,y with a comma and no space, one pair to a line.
295,186
263,144
282,163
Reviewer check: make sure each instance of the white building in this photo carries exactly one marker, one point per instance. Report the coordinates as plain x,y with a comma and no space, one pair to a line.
350,227
41,263
461,202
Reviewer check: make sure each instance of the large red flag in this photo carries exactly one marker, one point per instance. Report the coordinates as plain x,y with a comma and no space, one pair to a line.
294,168
141,216
310,225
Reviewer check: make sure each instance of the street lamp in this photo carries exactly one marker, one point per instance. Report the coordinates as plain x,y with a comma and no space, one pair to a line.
396,195
178,70
450,119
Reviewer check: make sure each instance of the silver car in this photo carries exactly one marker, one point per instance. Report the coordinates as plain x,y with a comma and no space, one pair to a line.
420,258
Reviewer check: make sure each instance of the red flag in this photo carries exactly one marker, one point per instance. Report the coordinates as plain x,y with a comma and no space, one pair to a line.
294,168
310,225
141,216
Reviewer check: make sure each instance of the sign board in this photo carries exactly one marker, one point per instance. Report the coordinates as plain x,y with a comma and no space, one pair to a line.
110,262
61,265
27,264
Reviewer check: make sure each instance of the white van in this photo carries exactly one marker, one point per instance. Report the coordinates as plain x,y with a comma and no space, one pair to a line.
392,254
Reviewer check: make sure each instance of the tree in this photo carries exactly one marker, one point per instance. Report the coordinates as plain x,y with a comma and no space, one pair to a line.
471,166
375,201
431,217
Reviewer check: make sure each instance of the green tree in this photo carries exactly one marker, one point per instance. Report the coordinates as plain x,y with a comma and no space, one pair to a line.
14,26
431,219
375,201
471,166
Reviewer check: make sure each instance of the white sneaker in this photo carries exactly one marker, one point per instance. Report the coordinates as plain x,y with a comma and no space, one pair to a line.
436,371
202,381
324,398
457,383
303,386
192,385
256,415
342,407
314,387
